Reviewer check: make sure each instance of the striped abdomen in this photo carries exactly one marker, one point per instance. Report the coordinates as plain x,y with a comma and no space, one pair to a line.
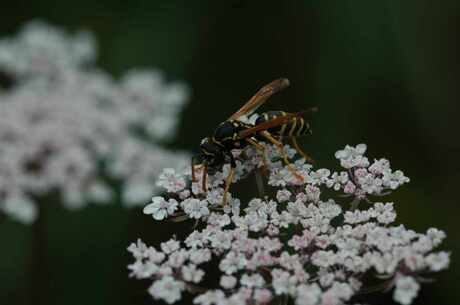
296,127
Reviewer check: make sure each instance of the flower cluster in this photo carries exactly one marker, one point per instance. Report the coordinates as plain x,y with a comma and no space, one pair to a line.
67,126
292,245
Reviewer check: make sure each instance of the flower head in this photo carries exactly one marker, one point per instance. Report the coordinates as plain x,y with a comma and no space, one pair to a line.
294,244
68,126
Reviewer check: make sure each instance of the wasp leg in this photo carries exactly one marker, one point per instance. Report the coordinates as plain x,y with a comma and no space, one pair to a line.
193,169
229,180
300,151
204,181
259,148
280,147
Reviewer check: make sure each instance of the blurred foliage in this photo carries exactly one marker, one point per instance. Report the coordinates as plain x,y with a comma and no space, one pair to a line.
382,72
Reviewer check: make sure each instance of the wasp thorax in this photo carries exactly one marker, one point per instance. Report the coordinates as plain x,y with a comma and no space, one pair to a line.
209,148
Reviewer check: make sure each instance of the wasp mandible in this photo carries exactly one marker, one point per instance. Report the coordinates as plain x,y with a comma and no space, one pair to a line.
270,127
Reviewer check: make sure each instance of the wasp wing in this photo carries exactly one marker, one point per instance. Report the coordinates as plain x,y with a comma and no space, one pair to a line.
278,121
261,97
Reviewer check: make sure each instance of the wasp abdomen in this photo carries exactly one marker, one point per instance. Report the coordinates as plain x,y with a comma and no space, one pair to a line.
296,127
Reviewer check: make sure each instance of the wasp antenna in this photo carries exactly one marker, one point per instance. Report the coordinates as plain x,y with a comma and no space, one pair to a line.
279,84
276,86
302,113
285,82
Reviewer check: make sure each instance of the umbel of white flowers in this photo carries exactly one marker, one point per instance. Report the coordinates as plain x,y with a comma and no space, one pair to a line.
61,118
295,245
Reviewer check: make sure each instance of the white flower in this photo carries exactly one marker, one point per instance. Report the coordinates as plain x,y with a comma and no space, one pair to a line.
153,255
323,258
394,180
356,216
283,283
349,188
100,192
167,289
436,235
138,249
283,195
251,281
143,270
414,262
232,262
191,274
384,213
308,294
20,208
195,208
379,166
406,290
160,208
337,180
320,176
200,256
352,156
73,198
258,206
253,222
438,261
170,246
313,193
233,206
214,196
195,240
171,181
136,193
177,259
342,290
220,220
211,297
262,296
228,281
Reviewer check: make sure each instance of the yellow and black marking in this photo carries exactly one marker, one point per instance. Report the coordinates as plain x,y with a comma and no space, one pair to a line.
295,127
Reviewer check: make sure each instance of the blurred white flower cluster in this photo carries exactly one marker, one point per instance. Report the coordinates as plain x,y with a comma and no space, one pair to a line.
295,245
67,126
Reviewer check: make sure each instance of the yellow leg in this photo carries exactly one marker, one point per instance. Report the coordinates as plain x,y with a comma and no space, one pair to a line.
278,144
228,182
193,171
280,147
259,148
301,152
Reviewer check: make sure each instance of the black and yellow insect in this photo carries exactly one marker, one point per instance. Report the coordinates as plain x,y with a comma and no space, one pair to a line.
233,133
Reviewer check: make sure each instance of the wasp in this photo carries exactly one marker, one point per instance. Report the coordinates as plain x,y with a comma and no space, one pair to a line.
235,133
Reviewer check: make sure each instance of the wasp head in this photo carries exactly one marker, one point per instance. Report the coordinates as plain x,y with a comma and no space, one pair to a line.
211,153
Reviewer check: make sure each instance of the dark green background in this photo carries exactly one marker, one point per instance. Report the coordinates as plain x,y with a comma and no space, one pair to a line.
382,72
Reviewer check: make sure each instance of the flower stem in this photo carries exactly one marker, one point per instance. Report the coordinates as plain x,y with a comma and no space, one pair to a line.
260,183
